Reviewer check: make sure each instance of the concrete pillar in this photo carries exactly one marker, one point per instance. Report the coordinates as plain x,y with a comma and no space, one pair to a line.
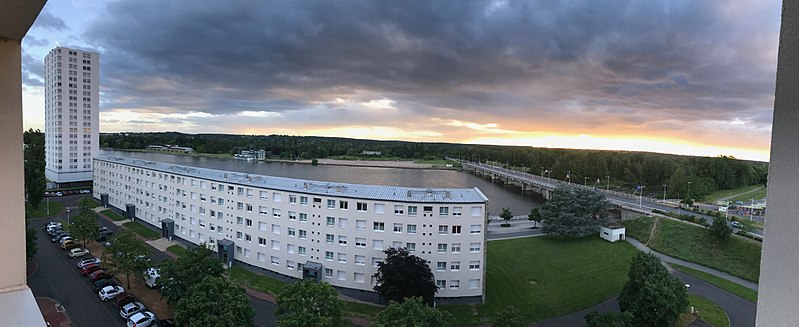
778,297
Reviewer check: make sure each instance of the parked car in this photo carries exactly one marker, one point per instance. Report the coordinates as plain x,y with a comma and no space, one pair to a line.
103,230
78,252
85,271
165,323
85,191
55,230
123,298
130,309
109,292
57,236
64,237
89,261
736,224
59,194
69,244
52,225
100,284
141,319
100,274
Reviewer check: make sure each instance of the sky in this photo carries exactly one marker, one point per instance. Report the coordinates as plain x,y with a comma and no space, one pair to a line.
684,77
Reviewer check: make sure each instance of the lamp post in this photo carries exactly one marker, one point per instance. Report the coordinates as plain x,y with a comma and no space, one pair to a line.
664,193
542,171
67,216
568,176
752,209
48,205
585,181
688,196
641,196
608,183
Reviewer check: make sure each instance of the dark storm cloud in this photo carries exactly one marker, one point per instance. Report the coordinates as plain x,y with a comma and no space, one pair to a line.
47,20
32,71
686,59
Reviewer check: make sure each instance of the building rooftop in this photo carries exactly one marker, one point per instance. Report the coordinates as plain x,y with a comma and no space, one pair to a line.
373,192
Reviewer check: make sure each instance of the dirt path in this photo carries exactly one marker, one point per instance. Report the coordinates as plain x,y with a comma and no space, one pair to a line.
652,231
739,194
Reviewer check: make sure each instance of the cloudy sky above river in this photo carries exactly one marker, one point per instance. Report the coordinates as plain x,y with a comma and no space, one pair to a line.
688,77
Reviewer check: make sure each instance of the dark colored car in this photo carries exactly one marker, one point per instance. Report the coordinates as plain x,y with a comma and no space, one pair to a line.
89,269
100,274
98,285
57,236
165,323
121,299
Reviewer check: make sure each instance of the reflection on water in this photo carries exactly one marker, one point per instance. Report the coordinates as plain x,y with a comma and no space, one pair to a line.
499,195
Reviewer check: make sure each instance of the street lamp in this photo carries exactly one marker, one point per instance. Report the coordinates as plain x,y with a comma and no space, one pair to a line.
752,209
585,181
542,171
641,196
67,216
688,196
568,176
664,193
608,183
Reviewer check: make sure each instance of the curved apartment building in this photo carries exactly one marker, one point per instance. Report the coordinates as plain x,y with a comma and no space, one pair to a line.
334,232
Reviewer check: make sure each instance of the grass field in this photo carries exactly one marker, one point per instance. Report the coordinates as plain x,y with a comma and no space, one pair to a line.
112,215
434,162
367,158
142,230
639,228
92,202
55,209
178,250
709,311
715,196
746,198
721,283
692,243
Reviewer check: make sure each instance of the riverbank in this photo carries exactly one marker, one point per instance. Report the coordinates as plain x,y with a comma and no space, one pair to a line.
401,164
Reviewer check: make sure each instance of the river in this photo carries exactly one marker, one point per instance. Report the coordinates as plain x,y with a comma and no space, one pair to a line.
499,195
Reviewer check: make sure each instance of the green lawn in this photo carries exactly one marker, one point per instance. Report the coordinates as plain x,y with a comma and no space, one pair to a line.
258,282
93,203
178,250
715,196
709,311
721,283
747,198
692,243
546,278
368,311
639,228
55,209
112,215
434,162
142,230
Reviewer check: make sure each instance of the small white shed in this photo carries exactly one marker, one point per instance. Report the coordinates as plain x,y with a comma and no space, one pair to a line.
613,233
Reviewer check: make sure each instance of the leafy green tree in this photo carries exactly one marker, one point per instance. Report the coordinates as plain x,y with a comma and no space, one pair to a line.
126,255
177,276
214,301
574,212
720,230
509,317
652,295
609,319
412,313
307,303
402,275
30,243
535,216
506,215
35,181
85,225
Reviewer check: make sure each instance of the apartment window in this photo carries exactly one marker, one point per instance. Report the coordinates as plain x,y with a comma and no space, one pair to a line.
239,235
276,229
275,245
293,199
377,245
331,204
380,208
397,228
292,215
276,213
343,205
304,200
456,211
342,240
303,234
455,266
396,244
329,238
474,247
239,221
276,197
275,260
239,206
456,247
261,256
454,284
441,266
247,237
410,246
376,261
301,250
303,217
441,283
261,194
342,257
331,221
476,212
456,229
292,232
411,228
443,211
261,241
361,206
328,273
290,265
474,265
412,210
358,277
360,242
399,210
442,229
248,222
239,250
329,255
290,248
442,248
360,224
474,229
427,209
474,284
379,226
262,226
342,223
249,207
342,275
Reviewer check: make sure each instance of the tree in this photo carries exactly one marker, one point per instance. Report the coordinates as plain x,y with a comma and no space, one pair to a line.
609,319
402,275
411,313
214,301
127,255
651,295
747,226
85,225
506,215
720,230
311,304
509,317
574,212
177,276
35,181
535,216
30,243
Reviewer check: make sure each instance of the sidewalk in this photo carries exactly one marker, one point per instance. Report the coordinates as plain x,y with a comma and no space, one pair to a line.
692,265
53,312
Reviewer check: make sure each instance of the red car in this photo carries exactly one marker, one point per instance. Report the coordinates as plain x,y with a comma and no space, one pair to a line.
100,274
90,269
121,299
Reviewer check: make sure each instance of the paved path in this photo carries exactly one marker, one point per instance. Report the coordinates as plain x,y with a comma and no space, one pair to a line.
53,312
692,265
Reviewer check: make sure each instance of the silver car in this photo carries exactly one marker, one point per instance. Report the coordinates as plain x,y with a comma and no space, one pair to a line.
130,309
141,319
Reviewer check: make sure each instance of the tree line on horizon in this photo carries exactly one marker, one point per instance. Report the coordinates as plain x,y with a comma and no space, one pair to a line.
684,176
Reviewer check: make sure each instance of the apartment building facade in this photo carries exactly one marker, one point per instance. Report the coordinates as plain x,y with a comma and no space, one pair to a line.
283,224
72,104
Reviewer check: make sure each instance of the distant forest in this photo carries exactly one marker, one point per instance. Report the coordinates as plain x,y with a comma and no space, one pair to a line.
684,176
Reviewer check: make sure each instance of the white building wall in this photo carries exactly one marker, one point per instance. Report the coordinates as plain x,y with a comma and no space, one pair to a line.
72,106
279,230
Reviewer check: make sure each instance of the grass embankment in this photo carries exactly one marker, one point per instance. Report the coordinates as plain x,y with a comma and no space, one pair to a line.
721,283
639,228
112,215
434,162
142,230
92,202
720,194
55,209
710,312
367,158
746,198
692,243
177,250
546,278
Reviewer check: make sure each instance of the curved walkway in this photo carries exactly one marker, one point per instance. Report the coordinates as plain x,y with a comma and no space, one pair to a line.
692,265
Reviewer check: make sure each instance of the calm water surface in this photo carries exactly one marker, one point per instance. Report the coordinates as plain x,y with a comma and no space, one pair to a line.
499,195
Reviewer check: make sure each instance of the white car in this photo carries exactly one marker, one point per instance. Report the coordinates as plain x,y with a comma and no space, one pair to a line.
109,292
52,225
90,261
78,252
130,309
141,319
